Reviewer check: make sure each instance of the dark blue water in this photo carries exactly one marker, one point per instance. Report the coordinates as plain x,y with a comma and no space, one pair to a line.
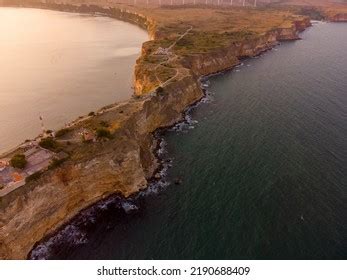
262,174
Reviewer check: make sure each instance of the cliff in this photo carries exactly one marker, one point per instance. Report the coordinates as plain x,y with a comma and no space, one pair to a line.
125,163
337,17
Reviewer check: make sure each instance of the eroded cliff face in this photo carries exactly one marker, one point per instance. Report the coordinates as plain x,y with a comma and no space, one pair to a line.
122,165
125,163
340,17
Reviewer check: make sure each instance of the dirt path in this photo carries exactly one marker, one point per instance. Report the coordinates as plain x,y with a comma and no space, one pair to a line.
170,57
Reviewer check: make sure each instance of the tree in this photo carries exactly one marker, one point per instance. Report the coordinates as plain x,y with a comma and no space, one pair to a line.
160,90
103,133
48,143
18,161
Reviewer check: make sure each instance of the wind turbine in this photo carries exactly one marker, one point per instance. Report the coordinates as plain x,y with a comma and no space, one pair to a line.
231,2
243,4
255,3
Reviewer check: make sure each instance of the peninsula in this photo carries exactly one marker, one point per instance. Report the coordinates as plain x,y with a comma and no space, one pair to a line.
112,150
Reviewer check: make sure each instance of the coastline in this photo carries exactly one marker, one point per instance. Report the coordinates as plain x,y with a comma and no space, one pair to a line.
151,142
66,234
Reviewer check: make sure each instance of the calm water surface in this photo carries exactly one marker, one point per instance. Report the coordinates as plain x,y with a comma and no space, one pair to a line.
60,65
263,171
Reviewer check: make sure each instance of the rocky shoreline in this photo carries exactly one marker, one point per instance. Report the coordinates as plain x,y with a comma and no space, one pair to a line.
75,231
127,163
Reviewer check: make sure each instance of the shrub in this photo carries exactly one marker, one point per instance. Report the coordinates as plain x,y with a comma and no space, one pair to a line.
103,133
48,143
160,91
33,177
62,132
91,114
18,161
55,163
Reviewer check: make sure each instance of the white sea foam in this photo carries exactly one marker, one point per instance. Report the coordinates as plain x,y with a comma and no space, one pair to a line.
129,206
70,234
162,147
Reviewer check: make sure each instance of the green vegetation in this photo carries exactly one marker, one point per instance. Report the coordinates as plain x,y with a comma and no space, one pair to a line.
103,133
160,91
18,161
56,162
154,59
62,132
153,45
165,73
49,143
202,42
33,177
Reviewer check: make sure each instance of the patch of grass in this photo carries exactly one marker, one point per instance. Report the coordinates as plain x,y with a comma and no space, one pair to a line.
103,133
152,46
202,42
155,59
165,73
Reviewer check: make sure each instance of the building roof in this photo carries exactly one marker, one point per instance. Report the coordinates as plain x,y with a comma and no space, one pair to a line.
17,177
88,135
